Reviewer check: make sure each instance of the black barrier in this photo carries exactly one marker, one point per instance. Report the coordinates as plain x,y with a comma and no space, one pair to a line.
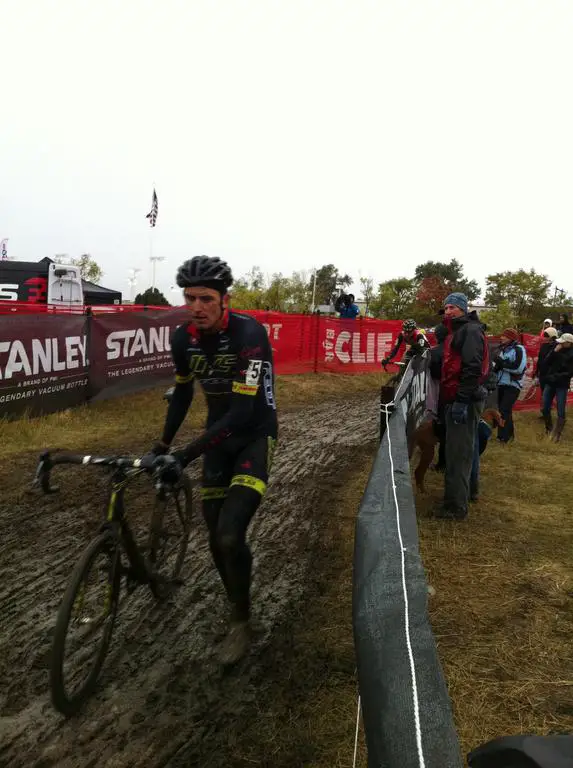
405,705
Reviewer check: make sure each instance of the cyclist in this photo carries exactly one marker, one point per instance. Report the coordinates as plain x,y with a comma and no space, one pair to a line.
230,355
414,339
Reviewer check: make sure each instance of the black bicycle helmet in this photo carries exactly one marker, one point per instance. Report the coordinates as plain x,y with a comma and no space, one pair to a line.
205,270
409,325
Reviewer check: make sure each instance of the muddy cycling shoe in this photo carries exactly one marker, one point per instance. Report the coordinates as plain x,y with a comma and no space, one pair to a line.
236,644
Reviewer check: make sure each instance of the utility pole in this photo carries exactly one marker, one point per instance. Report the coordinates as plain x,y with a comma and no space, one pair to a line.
132,280
313,290
153,260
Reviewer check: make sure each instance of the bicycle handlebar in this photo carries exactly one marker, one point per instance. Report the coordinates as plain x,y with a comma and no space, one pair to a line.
147,463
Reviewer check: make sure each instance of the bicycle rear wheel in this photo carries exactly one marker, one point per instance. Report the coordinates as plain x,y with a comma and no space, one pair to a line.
169,530
85,624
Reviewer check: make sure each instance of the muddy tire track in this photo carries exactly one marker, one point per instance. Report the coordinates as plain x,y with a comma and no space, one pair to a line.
162,695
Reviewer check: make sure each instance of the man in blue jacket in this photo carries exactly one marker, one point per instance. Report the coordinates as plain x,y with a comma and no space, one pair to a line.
346,307
509,364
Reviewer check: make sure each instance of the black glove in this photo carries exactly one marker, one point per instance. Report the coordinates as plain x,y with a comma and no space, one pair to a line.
498,363
185,456
167,468
158,448
385,361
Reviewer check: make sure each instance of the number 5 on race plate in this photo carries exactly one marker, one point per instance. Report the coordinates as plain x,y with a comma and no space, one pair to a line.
253,372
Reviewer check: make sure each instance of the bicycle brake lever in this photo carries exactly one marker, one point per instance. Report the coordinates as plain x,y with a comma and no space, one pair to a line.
42,477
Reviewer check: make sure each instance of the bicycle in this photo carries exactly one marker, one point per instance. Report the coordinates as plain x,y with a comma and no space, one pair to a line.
148,565
395,380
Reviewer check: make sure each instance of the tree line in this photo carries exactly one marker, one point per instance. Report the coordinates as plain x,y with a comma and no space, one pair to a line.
520,299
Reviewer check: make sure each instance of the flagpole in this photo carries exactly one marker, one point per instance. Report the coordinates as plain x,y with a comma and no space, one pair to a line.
151,248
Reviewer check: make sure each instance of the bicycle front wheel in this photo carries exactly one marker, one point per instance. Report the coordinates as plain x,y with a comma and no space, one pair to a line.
170,528
85,624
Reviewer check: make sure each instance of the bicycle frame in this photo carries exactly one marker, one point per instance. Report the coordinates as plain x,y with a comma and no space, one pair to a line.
116,522
125,470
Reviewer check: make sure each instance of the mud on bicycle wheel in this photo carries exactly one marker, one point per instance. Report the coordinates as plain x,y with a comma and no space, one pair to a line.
100,559
169,530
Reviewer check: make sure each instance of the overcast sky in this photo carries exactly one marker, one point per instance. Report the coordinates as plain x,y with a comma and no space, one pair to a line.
373,135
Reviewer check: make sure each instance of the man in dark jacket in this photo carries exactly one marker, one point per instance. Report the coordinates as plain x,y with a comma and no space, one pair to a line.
465,367
558,374
548,343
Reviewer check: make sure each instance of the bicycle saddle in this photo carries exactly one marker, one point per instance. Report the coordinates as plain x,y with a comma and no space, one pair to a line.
524,752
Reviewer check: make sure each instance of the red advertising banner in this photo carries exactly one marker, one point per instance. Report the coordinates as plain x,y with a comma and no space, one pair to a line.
54,361
43,364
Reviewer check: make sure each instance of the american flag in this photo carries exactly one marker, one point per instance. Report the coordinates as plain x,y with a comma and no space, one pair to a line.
152,215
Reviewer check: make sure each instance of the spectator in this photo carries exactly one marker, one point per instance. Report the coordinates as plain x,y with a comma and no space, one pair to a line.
465,367
509,364
548,323
564,326
558,369
346,307
548,342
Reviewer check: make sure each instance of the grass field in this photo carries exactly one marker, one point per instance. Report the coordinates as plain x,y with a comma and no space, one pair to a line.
503,610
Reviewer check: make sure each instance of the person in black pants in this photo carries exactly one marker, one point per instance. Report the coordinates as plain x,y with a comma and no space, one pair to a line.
509,364
548,343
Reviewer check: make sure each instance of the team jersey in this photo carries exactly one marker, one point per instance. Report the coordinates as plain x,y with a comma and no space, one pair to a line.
418,343
235,370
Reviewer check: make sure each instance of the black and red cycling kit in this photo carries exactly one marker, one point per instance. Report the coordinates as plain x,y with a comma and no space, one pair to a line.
234,367
417,341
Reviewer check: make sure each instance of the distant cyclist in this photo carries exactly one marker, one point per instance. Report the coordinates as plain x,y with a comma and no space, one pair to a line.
414,340
230,355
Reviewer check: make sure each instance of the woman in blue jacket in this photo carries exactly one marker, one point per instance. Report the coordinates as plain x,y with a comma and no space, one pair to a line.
509,364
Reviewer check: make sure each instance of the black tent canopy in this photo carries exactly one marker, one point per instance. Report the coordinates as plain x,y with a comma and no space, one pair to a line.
97,294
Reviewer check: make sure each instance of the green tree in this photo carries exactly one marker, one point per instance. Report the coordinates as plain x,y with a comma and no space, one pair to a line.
300,292
367,285
395,298
499,318
328,282
244,297
525,292
452,274
89,269
152,297
278,293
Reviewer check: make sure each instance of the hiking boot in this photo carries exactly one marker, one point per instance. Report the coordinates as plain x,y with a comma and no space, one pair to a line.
557,432
450,513
236,643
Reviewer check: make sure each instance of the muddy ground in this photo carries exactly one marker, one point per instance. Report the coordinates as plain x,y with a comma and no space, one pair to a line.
162,699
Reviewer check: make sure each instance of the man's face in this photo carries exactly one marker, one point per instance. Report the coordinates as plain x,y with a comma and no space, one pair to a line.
451,311
205,307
